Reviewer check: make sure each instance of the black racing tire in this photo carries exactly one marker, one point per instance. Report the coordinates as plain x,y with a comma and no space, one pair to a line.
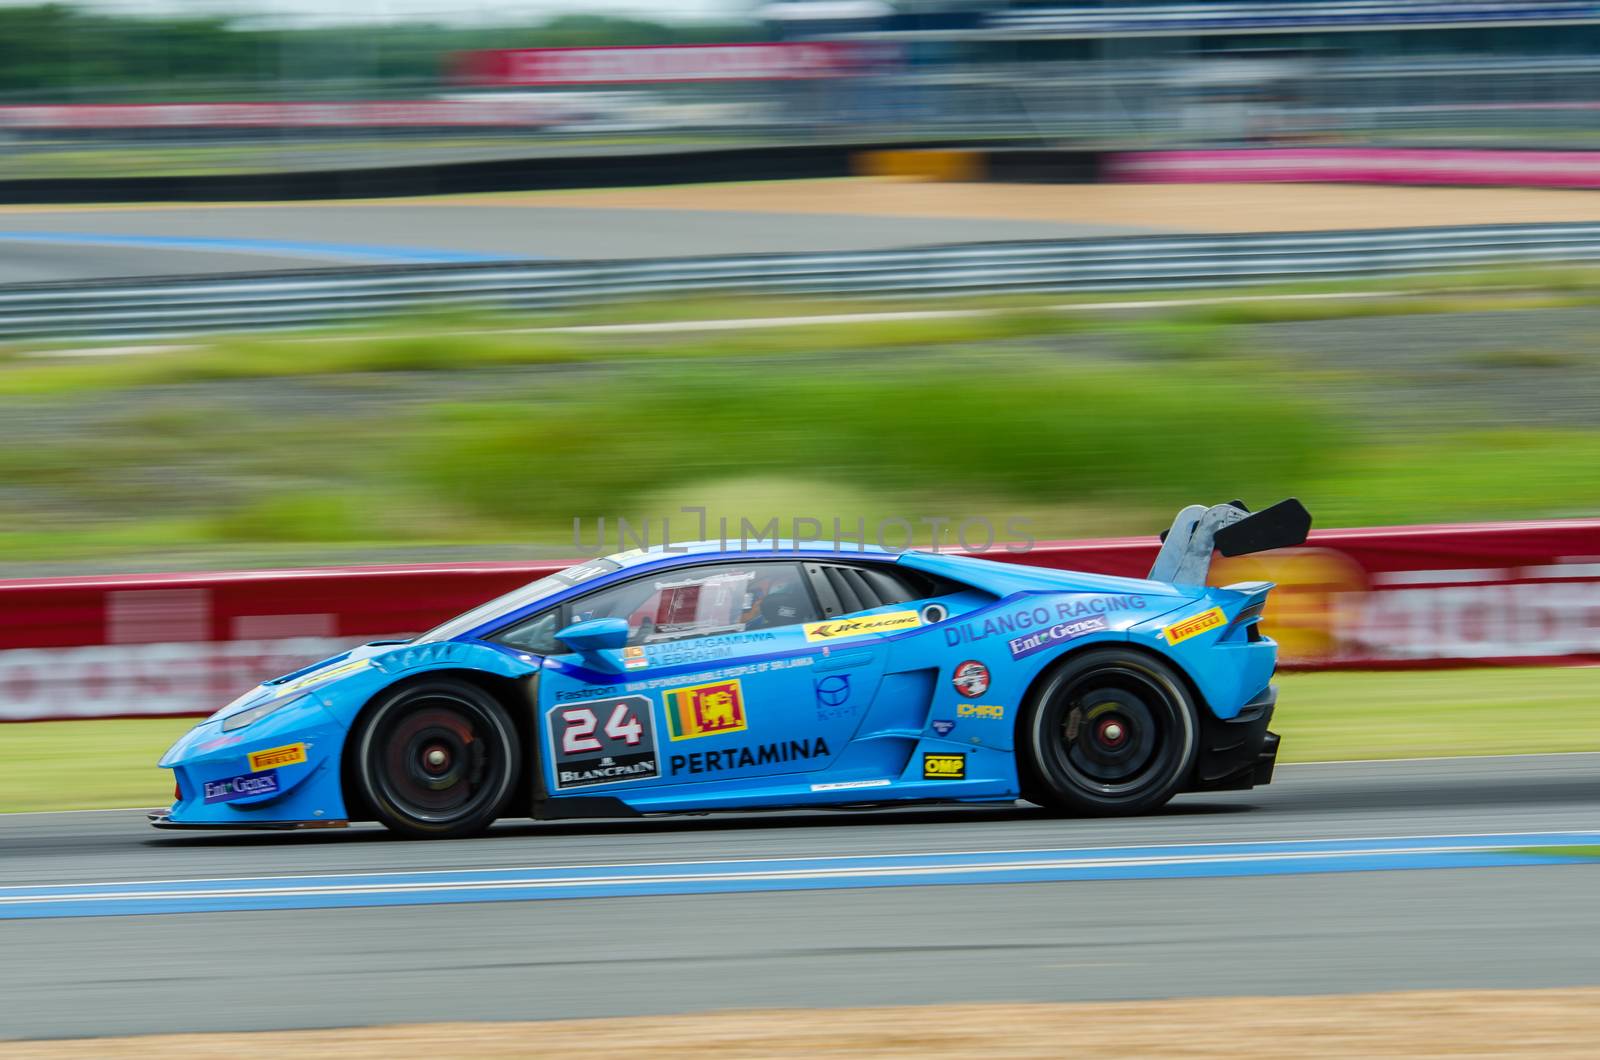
1108,733
439,759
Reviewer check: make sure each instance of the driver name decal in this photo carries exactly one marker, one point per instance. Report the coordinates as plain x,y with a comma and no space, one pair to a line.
838,628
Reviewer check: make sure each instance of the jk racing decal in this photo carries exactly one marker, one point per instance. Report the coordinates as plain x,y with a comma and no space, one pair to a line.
602,741
836,629
1194,625
705,710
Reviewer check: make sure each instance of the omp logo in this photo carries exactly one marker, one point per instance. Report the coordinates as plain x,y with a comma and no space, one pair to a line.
1194,626
288,755
855,627
944,767
705,710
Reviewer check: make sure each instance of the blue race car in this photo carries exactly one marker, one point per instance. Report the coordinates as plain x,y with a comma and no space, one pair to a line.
771,677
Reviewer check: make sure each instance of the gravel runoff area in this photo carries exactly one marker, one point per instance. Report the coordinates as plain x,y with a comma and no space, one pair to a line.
1545,1023
1170,207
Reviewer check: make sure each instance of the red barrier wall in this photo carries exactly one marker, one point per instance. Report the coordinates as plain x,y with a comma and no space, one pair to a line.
1385,596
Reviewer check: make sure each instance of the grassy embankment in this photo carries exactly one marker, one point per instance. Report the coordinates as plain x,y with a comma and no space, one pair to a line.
1322,717
461,433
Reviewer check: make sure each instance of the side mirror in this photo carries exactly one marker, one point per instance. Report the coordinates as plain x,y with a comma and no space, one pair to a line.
597,634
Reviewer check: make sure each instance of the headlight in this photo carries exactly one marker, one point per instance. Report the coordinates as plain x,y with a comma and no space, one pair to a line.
247,717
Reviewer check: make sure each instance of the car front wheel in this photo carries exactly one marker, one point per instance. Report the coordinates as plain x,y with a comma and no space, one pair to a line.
1110,732
437,759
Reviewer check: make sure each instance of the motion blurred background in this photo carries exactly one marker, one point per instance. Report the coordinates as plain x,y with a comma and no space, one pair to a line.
320,323
155,87
416,283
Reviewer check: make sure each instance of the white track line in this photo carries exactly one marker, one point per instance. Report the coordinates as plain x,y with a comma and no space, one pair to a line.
50,896
395,874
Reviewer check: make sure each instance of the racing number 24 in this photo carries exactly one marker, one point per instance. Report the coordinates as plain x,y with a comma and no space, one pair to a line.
581,722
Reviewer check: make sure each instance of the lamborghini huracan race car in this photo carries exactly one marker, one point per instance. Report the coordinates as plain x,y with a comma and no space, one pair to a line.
771,676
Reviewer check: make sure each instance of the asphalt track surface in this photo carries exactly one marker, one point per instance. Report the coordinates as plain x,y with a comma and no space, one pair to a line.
1204,930
98,243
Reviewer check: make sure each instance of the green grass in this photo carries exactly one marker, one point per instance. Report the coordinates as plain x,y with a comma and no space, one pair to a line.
1425,713
1086,424
79,765
1559,852
1029,432
1499,474
68,765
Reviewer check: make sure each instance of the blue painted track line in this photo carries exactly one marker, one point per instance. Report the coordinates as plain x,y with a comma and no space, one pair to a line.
280,247
784,874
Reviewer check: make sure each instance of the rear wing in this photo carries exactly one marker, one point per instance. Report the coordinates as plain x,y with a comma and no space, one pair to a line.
1232,529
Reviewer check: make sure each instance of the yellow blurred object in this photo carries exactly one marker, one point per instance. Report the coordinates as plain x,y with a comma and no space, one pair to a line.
1301,614
949,166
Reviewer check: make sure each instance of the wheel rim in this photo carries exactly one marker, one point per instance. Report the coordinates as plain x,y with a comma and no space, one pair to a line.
437,761
1115,732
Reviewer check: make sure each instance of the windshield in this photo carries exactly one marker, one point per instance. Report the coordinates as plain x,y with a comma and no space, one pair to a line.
517,599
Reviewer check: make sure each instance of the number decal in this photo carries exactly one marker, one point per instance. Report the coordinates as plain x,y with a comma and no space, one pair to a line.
579,736
583,754
624,726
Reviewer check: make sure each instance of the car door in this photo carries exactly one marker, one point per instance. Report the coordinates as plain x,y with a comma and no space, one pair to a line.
724,684
912,610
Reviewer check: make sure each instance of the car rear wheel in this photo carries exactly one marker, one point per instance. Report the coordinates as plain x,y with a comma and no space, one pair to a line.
439,759
1111,732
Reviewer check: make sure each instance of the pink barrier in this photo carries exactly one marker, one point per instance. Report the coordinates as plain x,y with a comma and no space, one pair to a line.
1387,596
1359,165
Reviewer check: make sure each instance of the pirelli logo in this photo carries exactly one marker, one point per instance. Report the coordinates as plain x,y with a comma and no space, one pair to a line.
276,757
855,627
1193,626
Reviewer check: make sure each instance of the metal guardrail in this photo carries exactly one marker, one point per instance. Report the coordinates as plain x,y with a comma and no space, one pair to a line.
195,304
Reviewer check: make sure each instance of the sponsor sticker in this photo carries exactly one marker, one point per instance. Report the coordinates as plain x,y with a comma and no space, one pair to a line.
319,676
832,691
1038,617
767,754
275,757
602,741
944,767
247,786
712,709
838,628
633,658
943,726
1193,626
850,785
992,711
971,679
1060,633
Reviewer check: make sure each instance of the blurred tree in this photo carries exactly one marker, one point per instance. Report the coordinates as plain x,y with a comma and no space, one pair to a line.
58,52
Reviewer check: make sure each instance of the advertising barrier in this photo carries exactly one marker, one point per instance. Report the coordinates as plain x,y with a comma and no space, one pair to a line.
656,64
1358,165
1461,595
